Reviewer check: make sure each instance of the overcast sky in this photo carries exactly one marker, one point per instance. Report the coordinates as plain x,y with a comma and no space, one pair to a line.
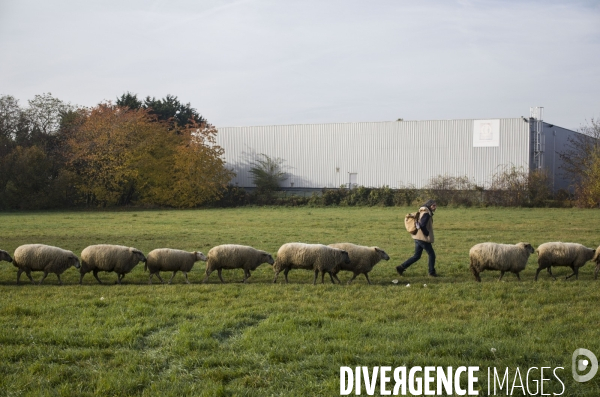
265,62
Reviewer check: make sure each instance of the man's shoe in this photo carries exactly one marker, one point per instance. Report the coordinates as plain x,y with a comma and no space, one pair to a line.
400,269
433,275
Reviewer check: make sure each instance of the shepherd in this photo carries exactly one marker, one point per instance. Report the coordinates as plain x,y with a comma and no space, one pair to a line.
423,239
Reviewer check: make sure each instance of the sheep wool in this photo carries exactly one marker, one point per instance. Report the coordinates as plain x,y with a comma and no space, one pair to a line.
503,257
362,259
572,255
109,258
45,258
315,257
171,260
596,259
233,256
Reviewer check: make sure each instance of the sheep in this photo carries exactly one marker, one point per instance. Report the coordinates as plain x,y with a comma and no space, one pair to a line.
563,254
109,258
596,259
503,257
4,256
362,259
46,258
232,256
167,259
316,257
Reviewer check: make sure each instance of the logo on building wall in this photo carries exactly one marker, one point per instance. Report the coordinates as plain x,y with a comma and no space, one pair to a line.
486,133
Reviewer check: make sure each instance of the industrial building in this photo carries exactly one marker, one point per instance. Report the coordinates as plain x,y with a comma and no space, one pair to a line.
397,153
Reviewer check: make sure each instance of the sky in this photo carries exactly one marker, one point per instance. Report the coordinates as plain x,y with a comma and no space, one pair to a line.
273,62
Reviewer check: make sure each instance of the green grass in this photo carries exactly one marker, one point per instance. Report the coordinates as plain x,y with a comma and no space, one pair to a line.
260,339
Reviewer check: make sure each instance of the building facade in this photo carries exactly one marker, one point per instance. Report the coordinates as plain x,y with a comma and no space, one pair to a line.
397,153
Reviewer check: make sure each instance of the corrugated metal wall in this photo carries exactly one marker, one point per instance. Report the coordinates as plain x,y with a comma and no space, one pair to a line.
556,141
396,154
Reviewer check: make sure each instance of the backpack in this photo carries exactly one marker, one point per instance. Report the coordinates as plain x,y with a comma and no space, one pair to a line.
411,222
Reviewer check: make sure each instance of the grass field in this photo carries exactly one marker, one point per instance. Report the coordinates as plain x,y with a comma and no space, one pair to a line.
263,339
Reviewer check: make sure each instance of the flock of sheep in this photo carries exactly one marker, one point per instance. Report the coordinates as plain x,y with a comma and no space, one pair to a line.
318,258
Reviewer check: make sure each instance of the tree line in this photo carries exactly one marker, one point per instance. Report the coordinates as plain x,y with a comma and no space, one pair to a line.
151,152
161,152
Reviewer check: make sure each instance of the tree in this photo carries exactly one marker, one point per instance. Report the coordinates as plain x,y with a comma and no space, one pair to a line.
9,121
267,174
199,173
130,101
168,109
31,180
107,149
580,163
123,156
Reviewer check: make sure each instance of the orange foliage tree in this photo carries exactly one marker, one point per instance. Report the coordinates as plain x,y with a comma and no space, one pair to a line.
123,156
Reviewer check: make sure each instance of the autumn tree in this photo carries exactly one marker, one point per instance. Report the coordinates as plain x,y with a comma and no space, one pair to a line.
124,156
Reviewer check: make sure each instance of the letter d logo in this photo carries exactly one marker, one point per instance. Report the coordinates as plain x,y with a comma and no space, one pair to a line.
582,364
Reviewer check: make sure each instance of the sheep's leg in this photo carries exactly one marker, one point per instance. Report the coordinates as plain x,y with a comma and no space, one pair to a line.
19,275
95,272
150,279
367,276
323,277
43,277
501,275
246,275
475,273
285,273
186,279
59,280
336,277
316,274
518,277
597,270
276,275
206,274
550,272
219,273
537,273
28,273
575,271
171,279
331,277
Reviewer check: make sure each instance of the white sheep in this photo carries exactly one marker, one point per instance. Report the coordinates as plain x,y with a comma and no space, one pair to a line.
46,258
503,257
572,255
315,257
4,256
596,259
109,258
233,256
362,259
171,260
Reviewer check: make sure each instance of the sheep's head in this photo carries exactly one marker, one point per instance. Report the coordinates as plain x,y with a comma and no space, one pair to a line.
200,256
268,258
5,257
382,254
138,254
75,262
527,247
345,257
